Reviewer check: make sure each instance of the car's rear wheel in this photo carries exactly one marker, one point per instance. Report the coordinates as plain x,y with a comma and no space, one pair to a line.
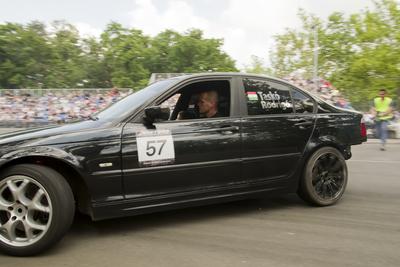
36,209
324,178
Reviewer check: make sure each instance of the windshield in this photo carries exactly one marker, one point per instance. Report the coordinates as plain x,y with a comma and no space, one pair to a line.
133,101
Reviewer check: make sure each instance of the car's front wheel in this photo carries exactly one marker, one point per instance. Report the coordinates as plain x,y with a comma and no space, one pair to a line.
36,209
324,178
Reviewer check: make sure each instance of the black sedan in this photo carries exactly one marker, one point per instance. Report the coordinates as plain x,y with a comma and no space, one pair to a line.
185,141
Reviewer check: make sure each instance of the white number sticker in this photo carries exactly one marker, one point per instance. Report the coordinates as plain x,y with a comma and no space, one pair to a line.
155,148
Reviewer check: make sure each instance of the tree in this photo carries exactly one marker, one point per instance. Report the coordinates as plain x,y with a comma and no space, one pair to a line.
67,57
189,52
359,54
97,74
257,65
24,54
124,51
35,56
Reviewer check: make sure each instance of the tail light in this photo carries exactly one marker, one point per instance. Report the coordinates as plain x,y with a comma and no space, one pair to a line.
363,129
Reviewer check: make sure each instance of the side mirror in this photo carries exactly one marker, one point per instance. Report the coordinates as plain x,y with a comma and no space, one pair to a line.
156,113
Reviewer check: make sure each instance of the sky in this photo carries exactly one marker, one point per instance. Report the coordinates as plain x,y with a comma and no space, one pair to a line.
247,26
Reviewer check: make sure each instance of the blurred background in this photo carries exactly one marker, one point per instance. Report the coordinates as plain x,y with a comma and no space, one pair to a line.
53,72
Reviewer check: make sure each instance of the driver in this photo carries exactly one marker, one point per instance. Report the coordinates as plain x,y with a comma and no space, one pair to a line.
208,104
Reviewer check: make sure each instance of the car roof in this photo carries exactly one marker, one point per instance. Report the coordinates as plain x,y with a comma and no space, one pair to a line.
232,74
224,74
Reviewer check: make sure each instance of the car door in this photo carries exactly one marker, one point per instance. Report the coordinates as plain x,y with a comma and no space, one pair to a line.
203,155
274,136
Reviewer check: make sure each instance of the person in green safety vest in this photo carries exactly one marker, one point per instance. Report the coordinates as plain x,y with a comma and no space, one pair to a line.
383,111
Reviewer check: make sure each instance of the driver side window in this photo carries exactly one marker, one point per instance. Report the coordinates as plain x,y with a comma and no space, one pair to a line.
206,99
171,103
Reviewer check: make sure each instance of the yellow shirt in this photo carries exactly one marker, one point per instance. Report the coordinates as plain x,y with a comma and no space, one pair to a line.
383,106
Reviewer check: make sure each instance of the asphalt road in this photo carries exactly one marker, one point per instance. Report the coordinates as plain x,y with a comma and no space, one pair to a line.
361,230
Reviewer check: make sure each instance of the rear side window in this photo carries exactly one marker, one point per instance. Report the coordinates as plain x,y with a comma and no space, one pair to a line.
325,108
302,102
265,97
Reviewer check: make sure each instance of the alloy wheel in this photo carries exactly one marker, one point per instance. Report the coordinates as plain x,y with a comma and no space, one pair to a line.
25,211
328,176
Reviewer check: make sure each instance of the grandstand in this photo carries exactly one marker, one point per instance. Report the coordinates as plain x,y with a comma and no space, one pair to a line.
32,107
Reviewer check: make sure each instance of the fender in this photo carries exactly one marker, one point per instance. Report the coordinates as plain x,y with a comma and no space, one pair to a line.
43,151
326,140
313,144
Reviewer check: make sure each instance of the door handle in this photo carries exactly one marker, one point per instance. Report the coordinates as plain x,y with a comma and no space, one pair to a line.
228,129
304,123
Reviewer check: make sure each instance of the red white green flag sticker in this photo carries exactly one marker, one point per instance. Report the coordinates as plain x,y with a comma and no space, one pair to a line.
252,96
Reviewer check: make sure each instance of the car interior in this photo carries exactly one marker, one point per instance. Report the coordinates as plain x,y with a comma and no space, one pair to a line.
183,104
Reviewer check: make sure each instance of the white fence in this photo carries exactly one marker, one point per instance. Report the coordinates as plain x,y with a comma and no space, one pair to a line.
59,91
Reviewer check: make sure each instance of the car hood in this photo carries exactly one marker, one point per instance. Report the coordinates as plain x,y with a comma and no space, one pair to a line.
54,134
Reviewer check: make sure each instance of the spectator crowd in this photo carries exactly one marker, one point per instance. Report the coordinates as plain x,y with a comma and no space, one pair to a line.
324,90
54,106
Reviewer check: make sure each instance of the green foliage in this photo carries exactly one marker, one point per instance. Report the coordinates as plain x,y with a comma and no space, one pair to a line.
33,56
359,54
124,51
257,66
187,53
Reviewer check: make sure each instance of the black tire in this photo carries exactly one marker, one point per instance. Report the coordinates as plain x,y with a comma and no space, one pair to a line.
324,178
47,216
